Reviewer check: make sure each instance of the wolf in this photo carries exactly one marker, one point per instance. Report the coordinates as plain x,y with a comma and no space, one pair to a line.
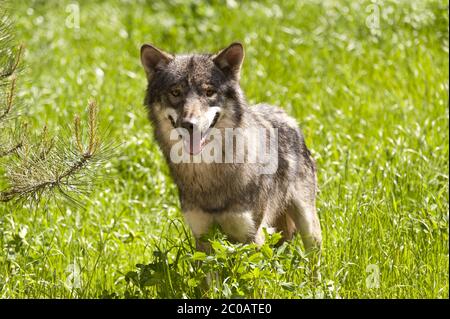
194,93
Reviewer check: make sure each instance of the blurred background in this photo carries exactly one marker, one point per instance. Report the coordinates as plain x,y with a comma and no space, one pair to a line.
366,80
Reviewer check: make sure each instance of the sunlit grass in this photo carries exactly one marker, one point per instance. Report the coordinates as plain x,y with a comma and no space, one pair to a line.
373,104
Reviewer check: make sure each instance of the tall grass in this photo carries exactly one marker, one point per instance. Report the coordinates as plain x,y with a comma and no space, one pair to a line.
372,102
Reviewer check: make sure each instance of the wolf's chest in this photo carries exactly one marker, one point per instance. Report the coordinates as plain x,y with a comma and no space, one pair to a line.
209,187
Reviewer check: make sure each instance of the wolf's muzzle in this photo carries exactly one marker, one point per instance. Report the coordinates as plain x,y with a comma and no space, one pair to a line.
189,125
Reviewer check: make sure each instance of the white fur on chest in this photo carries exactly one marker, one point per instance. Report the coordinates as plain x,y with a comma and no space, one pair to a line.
239,226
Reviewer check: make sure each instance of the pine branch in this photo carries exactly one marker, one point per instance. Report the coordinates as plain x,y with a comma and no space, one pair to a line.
26,191
12,150
12,66
65,168
42,166
6,115
9,68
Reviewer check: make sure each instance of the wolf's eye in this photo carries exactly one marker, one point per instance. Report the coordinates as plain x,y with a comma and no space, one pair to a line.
210,92
175,92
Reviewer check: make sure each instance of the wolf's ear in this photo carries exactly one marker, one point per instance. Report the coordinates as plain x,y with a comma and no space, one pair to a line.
151,57
230,59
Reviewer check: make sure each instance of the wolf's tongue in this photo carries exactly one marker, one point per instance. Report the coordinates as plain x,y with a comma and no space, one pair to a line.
194,146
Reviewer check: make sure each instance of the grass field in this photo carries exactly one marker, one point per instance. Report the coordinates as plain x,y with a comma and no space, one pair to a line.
371,96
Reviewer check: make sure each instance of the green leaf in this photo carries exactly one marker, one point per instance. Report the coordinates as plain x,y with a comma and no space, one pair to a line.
267,251
199,255
192,282
289,286
254,258
226,290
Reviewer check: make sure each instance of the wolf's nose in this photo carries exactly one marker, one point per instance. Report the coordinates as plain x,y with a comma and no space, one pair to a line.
188,124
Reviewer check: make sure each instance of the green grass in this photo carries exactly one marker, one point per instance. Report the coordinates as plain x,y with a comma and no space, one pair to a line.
373,105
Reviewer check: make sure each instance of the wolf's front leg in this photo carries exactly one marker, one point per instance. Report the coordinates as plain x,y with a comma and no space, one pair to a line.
238,225
200,223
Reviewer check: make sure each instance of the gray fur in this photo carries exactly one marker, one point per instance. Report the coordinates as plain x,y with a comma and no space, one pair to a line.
232,195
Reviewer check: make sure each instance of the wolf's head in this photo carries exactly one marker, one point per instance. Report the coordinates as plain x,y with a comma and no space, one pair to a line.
196,92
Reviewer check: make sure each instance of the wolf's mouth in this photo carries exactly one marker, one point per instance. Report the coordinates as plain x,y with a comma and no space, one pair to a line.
214,121
197,140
